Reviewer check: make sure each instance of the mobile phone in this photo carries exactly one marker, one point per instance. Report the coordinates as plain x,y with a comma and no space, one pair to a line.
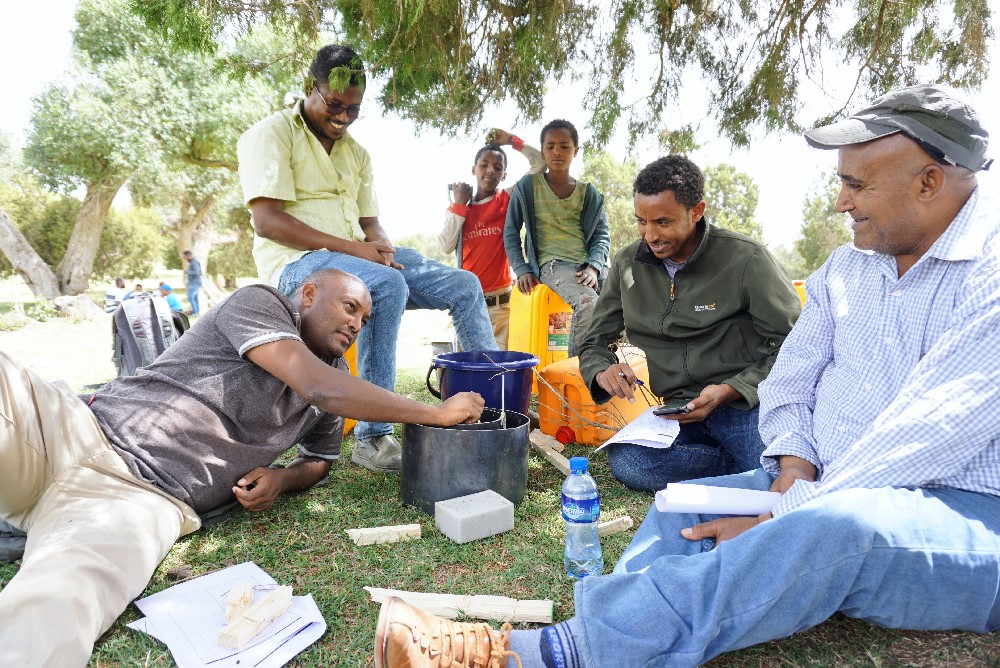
666,410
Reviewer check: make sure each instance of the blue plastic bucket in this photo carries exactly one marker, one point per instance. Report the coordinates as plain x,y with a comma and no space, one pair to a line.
502,377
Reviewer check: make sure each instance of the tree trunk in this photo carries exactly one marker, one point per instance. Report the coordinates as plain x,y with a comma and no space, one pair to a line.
77,265
26,262
194,233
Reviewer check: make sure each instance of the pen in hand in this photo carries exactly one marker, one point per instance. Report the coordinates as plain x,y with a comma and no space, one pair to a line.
638,381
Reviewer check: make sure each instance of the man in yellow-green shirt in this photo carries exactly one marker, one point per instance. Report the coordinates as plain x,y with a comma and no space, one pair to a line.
309,187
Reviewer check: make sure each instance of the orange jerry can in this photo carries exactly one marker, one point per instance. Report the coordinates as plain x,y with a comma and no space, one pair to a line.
800,288
351,357
567,407
539,324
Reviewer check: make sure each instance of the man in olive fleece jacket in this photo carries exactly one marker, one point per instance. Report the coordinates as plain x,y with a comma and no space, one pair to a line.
710,309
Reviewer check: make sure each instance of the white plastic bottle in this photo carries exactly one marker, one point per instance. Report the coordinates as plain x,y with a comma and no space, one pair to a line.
581,508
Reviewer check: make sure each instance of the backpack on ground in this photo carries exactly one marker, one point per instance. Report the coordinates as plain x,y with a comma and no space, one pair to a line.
12,542
142,328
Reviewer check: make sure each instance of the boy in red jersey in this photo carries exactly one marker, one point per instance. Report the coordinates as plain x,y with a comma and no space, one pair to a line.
473,226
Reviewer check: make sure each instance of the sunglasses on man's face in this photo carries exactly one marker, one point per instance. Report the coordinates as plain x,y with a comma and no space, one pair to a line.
336,108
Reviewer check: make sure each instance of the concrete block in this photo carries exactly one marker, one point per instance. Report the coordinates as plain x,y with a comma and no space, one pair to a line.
475,516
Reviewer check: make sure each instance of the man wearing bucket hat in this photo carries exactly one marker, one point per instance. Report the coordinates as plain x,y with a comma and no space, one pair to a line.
104,488
884,439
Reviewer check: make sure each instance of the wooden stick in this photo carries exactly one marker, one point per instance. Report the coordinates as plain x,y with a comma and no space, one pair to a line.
496,608
536,436
239,598
246,627
392,534
554,457
614,526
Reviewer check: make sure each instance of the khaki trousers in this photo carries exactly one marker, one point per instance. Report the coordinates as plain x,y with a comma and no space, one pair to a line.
500,319
95,532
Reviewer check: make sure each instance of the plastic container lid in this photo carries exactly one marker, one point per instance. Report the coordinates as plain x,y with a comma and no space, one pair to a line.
578,465
565,435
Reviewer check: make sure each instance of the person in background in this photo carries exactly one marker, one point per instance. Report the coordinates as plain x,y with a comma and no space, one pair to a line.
473,225
137,290
566,234
192,276
172,301
115,295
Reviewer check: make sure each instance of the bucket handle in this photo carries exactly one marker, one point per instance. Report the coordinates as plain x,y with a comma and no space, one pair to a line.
436,393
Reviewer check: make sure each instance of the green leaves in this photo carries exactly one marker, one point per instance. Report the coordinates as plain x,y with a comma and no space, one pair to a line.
731,199
441,62
823,229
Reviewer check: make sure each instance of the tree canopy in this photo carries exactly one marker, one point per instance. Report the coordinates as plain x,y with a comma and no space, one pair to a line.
823,229
441,63
132,107
731,200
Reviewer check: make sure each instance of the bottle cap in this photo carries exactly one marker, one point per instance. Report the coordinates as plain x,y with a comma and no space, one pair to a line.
578,464
565,435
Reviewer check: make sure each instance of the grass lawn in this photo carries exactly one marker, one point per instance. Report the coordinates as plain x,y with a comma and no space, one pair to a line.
302,542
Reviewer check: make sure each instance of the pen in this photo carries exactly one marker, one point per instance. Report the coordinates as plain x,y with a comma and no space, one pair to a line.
637,380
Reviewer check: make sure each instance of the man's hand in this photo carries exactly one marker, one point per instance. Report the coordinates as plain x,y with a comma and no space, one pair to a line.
379,252
462,407
723,529
461,193
526,283
587,276
618,381
792,468
258,489
702,406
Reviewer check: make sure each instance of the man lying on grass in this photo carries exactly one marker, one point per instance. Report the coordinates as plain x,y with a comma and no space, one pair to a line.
883,434
104,491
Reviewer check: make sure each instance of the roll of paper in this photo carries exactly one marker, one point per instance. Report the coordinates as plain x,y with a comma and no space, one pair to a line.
707,500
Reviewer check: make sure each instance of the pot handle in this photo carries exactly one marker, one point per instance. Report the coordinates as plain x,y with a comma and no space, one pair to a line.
436,393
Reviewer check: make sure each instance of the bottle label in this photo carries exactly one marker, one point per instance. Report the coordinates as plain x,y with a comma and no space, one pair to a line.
581,510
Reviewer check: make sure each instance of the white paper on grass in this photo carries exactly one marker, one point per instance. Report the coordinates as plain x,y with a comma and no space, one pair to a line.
708,500
188,617
650,430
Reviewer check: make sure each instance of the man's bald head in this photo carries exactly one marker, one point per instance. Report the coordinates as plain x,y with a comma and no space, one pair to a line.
333,307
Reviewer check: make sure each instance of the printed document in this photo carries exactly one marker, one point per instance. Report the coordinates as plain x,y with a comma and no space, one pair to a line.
188,617
650,430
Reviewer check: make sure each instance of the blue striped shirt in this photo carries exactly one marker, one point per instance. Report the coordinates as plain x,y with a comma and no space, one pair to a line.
890,381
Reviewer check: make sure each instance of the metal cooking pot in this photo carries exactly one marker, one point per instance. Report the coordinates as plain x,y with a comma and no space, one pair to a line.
441,463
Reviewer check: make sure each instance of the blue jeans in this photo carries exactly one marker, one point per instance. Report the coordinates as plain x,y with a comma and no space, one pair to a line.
193,298
727,442
422,283
560,276
923,559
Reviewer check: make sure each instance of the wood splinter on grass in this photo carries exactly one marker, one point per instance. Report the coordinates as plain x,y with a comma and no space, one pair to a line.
450,606
391,534
540,445
251,622
538,437
239,598
614,526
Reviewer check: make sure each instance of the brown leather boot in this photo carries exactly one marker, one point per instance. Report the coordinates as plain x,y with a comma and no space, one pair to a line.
408,637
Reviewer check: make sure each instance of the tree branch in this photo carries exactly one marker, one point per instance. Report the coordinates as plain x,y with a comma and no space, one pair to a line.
205,162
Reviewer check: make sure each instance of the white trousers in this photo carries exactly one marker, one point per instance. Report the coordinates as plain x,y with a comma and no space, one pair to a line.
95,532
